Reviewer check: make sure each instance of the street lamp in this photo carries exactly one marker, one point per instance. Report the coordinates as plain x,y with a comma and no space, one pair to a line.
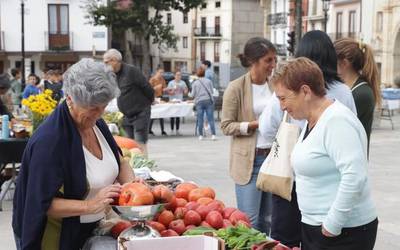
23,42
325,8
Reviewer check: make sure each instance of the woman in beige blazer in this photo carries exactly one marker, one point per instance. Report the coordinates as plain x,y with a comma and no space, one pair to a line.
243,102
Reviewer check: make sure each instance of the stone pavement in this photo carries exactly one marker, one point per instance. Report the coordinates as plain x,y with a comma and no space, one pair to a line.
206,162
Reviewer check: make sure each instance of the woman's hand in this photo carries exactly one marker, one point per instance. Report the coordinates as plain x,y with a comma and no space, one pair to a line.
326,232
253,125
103,198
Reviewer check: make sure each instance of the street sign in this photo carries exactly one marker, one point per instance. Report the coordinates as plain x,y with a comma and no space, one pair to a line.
99,34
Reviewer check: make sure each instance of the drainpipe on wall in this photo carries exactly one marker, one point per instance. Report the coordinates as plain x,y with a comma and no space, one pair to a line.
194,41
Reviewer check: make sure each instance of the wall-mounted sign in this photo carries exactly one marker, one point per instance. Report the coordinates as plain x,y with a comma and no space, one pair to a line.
99,34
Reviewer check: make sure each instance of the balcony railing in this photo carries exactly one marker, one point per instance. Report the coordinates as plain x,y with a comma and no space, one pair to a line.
277,19
2,40
59,42
208,32
335,36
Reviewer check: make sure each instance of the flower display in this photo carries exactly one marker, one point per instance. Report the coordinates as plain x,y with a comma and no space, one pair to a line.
41,106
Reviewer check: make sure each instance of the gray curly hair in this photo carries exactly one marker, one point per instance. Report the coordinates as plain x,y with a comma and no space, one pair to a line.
90,83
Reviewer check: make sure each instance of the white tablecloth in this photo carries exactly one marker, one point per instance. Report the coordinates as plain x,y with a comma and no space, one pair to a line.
391,104
166,110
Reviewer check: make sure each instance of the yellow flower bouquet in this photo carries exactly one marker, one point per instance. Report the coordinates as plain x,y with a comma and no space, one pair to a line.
41,106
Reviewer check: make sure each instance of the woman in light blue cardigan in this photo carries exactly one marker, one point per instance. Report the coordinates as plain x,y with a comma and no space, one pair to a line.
330,163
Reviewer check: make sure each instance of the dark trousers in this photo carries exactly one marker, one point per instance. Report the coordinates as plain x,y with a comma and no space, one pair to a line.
352,238
286,220
137,126
175,121
161,124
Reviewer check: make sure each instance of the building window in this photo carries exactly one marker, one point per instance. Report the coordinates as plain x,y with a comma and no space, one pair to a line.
379,21
216,52
181,66
314,7
275,6
169,18
217,25
202,51
58,27
185,17
204,6
58,19
218,4
352,23
203,26
339,16
185,42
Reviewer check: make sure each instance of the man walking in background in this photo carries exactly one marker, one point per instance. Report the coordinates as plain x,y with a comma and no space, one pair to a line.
16,87
136,97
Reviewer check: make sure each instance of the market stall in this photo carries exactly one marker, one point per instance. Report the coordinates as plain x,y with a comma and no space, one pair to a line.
167,110
166,212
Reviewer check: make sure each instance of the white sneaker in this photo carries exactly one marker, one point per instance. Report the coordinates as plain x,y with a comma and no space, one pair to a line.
213,137
200,138
177,133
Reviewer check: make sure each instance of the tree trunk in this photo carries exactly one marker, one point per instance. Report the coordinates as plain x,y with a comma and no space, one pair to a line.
128,40
146,67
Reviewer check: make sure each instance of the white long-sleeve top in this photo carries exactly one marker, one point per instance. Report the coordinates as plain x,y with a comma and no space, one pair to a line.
331,172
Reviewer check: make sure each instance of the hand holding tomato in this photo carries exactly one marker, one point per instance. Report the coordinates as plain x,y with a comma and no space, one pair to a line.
103,198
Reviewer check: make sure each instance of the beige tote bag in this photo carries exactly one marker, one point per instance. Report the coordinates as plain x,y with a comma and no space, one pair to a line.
276,173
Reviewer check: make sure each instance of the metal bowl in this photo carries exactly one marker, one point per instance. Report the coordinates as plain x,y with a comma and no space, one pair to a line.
135,213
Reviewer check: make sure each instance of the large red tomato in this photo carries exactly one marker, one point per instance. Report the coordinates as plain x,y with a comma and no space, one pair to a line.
135,194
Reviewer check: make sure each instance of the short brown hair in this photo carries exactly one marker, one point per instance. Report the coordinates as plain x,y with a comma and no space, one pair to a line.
200,72
297,72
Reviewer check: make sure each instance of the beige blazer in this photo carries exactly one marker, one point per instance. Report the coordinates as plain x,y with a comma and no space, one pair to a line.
237,107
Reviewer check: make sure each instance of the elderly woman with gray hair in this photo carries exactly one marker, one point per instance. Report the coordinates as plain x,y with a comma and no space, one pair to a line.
72,168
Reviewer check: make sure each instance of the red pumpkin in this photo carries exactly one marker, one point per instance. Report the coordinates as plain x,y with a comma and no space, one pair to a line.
124,142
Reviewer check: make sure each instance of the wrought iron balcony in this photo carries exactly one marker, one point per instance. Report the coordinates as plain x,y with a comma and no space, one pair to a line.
277,18
59,41
214,32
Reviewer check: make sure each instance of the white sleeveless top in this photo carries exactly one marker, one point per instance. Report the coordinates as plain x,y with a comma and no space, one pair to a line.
99,173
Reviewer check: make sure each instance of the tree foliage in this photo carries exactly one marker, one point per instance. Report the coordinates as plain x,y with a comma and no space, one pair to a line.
138,17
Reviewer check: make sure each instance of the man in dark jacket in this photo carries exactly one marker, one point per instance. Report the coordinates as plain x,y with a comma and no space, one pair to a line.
4,86
136,97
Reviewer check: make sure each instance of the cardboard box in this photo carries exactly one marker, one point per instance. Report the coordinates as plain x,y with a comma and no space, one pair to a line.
174,243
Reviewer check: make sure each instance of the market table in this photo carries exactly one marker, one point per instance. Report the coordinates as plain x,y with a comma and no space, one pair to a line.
390,102
167,110
11,151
